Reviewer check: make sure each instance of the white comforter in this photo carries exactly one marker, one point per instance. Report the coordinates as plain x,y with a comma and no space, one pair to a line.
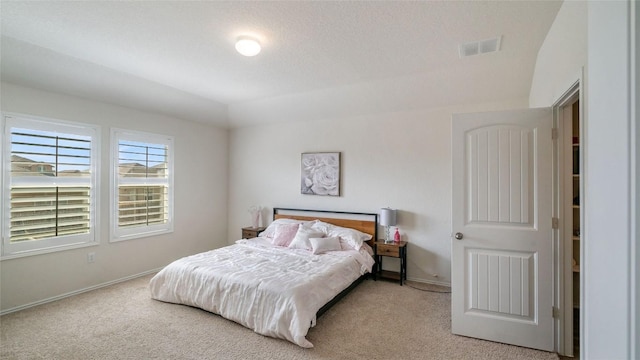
273,290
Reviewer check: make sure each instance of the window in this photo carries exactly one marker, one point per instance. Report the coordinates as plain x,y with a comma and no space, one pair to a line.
49,192
142,191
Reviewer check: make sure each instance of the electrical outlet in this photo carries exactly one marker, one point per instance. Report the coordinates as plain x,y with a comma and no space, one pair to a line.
91,257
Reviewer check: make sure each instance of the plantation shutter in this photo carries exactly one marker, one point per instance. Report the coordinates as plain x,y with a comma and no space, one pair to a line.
50,185
143,179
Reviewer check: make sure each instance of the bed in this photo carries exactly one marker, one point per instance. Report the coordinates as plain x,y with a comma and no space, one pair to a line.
279,283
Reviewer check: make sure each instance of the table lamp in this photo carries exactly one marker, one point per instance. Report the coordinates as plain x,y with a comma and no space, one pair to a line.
387,219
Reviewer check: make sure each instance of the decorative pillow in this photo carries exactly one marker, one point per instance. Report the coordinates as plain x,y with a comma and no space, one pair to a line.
346,246
269,232
322,245
349,237
284,233
301,240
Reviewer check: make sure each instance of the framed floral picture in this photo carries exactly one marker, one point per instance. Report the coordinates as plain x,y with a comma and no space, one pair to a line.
320,174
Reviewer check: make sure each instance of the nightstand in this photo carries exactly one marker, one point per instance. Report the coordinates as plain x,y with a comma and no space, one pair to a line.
251,232
396,250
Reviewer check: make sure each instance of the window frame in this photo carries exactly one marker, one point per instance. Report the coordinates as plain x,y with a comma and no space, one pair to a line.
135,232
57,243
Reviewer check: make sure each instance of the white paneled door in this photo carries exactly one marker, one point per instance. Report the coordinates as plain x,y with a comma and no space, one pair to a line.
501,253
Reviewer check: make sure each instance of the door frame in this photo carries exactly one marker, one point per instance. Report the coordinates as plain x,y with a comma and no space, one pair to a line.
563,244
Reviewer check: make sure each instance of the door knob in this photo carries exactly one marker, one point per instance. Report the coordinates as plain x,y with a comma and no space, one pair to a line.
458,236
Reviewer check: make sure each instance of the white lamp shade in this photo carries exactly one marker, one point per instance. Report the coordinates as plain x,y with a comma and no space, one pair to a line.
387,217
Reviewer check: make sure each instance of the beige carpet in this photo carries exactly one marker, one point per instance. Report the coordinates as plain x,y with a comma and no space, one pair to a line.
377,320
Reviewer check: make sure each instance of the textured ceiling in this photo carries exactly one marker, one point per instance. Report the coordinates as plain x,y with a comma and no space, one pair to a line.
178,58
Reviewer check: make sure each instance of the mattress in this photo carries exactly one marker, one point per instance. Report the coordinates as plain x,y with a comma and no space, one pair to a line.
272,290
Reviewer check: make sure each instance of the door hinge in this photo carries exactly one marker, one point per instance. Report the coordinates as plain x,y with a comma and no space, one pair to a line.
554,133
555,223
555,312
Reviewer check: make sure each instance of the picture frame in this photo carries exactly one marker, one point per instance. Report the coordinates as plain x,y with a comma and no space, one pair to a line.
320,173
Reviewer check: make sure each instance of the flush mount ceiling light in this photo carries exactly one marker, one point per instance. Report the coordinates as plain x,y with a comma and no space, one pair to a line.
248,46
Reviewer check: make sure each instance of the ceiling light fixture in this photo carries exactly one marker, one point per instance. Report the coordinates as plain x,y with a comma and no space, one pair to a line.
248,46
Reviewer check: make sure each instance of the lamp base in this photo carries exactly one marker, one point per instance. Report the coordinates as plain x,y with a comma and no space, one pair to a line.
387,237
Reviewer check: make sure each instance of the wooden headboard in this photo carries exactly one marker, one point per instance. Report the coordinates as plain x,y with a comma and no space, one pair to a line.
365,222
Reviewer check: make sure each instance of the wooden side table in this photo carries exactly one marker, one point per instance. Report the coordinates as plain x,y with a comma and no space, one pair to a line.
396,250
251,232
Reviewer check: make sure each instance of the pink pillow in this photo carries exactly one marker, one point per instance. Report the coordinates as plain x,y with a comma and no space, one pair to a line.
284,233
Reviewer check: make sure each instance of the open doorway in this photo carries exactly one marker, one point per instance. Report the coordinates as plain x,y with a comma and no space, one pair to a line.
569,206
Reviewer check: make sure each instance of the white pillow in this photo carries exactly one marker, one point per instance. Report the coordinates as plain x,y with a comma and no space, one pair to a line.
301,240
269,232
322,245
350,237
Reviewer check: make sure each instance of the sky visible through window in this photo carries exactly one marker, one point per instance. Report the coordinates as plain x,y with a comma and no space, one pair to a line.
149,155
73,151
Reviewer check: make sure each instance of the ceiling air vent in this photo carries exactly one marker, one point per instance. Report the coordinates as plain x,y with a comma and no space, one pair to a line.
479,47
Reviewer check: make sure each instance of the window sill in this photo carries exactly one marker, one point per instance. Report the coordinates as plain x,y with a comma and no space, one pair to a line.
49,250
140,235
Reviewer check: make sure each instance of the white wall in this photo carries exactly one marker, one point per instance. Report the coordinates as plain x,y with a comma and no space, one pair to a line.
561,56
635,229
400,159
201,163
611,321
601,38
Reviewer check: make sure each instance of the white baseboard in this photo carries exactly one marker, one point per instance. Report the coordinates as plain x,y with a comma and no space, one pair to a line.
76,292
425,281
